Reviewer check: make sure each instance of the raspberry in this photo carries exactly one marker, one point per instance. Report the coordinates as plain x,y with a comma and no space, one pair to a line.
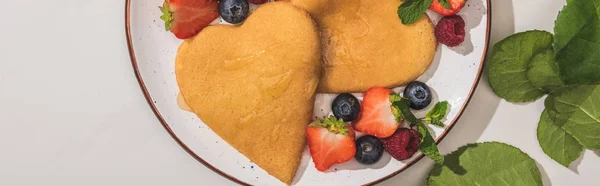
258,2
450,30
415,140
403,144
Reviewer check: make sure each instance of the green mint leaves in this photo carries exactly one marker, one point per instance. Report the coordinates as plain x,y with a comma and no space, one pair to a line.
566,66
509,62
437,114
575,109
577,44
403,106
543,71
394,98
427,145
412,10
556,142
490,163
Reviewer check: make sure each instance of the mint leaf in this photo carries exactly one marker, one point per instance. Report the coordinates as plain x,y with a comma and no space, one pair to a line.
509,61
395,97
490,163
576,109
543,71
412,10
402,106
556,142
395,110
445,4
437,114
549,108
427,145
577,43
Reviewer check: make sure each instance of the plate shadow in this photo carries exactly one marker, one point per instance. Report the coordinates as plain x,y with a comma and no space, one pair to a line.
473,15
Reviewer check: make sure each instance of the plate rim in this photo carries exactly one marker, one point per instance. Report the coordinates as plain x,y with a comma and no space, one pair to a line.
166,126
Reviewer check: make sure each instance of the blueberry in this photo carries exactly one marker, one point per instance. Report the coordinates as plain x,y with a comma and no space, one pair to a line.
346,107
418,95
368,150
234,11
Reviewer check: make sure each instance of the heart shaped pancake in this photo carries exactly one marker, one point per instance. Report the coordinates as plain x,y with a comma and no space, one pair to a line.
254,85
365,44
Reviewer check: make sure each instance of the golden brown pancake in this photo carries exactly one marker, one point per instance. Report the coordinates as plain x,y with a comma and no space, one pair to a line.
254,85
366,45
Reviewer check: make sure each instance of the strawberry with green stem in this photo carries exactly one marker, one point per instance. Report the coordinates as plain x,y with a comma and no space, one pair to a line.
378,116
447,7
186,18
330,141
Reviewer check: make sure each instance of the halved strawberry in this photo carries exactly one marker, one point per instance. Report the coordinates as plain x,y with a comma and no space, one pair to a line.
455,7
186,18
330,141
378,117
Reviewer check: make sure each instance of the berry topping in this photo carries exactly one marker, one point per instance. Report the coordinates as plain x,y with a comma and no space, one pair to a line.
455,7
234,11
450,30
330,141
368,150
186,18
346,107
403,144
377,116
418,95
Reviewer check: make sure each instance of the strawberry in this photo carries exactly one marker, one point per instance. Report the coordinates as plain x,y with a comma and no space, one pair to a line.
185,18
455,5
330,141
378,117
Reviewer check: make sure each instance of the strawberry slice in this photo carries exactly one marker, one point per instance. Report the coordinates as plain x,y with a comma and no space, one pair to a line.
186,18
455,7
330,141
378,117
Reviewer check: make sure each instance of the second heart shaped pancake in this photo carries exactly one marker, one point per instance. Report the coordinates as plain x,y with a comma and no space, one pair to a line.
365,44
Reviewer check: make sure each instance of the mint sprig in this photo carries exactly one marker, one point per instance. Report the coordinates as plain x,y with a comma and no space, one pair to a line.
427,145
565,66
437,114
412,10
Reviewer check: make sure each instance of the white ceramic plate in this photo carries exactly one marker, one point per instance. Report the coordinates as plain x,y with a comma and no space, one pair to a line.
452,76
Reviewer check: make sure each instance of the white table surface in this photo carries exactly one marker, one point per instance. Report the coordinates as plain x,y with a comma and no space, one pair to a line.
72,113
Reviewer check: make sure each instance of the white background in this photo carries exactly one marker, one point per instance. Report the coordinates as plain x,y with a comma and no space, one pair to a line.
72,113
